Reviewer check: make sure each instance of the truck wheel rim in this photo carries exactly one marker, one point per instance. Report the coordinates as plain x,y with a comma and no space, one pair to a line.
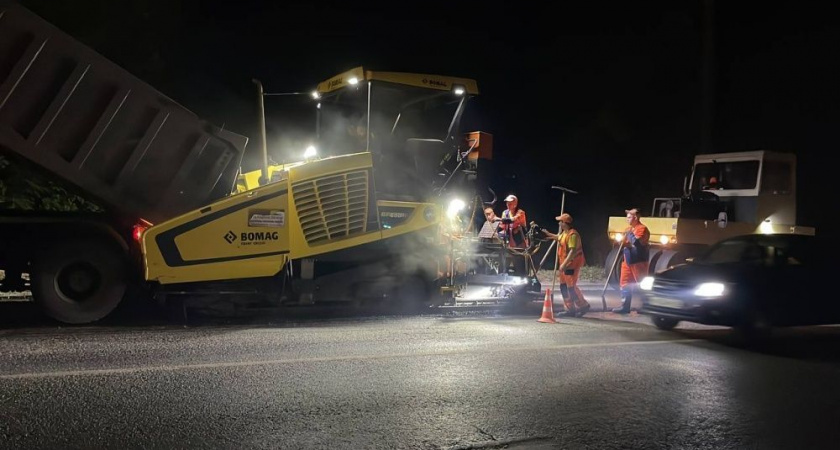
78,281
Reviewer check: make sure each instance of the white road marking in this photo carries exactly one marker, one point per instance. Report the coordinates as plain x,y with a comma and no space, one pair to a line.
269,362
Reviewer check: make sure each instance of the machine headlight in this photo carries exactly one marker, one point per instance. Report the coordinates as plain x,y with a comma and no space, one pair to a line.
455,206
646,284
664,239
310,152
518,280
618,237
709,290
766,227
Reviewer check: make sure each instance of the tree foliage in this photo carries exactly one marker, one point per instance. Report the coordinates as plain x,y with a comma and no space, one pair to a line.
23,189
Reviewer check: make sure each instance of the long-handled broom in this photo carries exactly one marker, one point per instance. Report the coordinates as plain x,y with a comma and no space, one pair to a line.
607,283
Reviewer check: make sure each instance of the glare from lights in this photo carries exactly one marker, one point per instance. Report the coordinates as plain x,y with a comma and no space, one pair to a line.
709,290
618,237
455,206
316,95
766,227
459,90
664,239
319,105
353,81
480,293
646,284
310,152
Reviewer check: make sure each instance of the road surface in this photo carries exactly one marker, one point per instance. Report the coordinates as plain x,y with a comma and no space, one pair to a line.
444,381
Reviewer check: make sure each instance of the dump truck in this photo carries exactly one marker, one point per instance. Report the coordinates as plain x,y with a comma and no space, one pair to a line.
356,220
726,194
72,115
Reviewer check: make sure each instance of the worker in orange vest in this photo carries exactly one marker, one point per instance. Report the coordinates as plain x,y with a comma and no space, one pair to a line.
570,258
634,264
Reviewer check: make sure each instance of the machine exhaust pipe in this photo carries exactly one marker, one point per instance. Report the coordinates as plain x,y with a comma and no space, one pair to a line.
264,145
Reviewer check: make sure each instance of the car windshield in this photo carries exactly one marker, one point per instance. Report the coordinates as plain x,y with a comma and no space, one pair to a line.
768,251
733,251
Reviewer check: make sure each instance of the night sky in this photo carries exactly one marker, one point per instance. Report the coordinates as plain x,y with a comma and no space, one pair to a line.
604,98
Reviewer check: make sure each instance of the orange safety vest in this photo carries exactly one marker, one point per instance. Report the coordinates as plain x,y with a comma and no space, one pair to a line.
578,260
639,251
515,231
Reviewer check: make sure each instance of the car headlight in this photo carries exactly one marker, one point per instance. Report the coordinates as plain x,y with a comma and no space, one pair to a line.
709,290
646,284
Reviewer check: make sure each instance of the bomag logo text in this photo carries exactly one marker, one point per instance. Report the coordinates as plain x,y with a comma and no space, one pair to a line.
437,83
333,83
259,236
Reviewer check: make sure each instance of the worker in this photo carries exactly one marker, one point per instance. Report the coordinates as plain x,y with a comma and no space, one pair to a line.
488,232
634,265
713,184
513,223
513,232
570,258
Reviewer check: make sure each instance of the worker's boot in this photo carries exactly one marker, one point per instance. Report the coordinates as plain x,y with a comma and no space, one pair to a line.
580,303
625,303
568,303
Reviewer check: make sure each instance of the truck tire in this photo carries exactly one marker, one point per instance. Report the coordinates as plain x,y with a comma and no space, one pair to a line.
79,282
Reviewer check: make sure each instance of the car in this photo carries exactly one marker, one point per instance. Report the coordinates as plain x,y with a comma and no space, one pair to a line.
751,282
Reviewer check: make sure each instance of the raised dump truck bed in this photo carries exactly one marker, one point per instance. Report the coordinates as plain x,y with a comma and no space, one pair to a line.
81,117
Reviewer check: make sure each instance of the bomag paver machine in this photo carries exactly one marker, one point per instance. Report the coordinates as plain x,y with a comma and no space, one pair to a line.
356,219
379,207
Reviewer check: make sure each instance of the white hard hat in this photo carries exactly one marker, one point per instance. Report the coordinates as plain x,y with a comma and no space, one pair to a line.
511,198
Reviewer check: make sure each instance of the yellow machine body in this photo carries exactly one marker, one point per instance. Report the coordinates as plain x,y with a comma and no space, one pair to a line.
315,208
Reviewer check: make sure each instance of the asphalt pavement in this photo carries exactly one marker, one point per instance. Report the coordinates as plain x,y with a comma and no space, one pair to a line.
435,381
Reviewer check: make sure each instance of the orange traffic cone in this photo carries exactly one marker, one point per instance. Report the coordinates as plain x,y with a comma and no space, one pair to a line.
548,309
